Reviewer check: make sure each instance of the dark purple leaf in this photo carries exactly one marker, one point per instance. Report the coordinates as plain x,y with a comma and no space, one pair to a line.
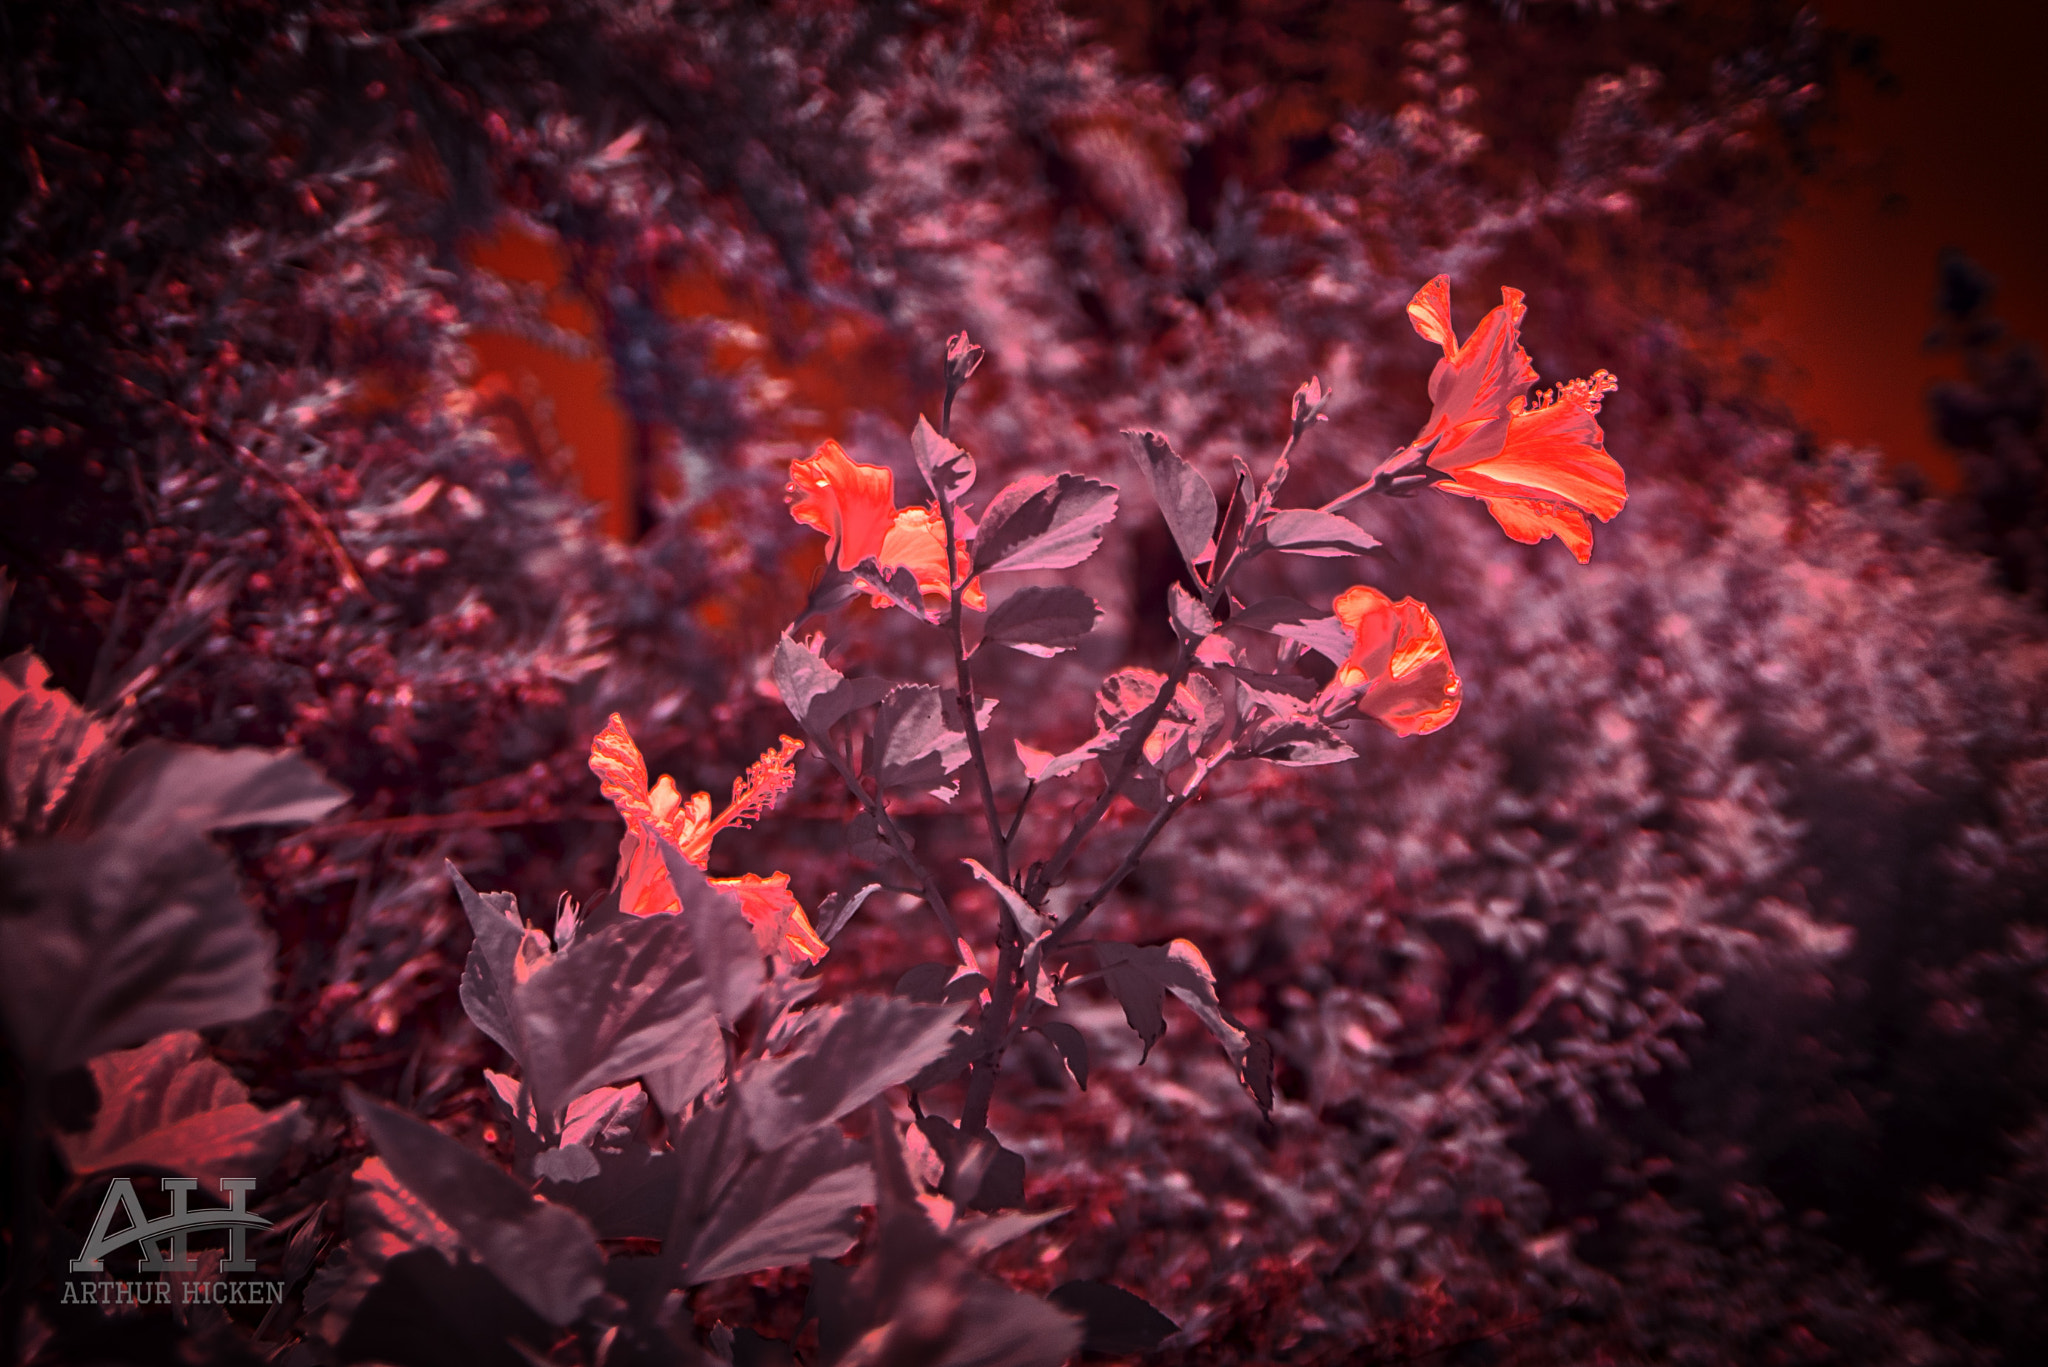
845,1055
1190,617
1113,1321
1185,498
1073,1047
720,937
838,908
169,1106
947,469
1042,621
1029,920
1305,531
159,786
980,1174
1140,976
918,740
800,1201
925,982
1281,694
544,1253
610,1008
898,584
487,976
1043,523
1296,621
815,693
425,1311
1298,741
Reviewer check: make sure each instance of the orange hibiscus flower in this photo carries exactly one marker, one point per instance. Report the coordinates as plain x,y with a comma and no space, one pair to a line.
1540,466
644,888
1398,656
855,506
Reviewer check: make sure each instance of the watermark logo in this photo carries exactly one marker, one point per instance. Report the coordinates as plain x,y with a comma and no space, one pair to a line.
164,1246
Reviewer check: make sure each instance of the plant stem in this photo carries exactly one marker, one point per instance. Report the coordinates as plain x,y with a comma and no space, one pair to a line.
1144,841
935,899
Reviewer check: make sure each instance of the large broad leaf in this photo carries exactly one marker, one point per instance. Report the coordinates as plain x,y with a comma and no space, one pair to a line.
1113,1321
1293,620
919,740
543,1253
137,929
1042,621
1306,531
1140,976
720,937
487,976
1044,523
1185,498
159,786
945,467
815,693
612,1007
170,1107
845,1055
801,1201
1297,741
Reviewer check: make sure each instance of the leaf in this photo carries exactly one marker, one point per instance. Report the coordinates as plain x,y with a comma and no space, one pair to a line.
976,1235
838,908
108,945
1190,617
46,742
948,470
1042,621
612,1007
1185,498
925,982
631,1195
980,1174
1044,523
137,929
169,1106
802,1201
898,584
720,937
1298,742
845,1055
1113,1321
959,1056
1141,975
917,741
542,1252
1281,694
1030,920
487,975
1073,1047
1292,620
815,693
1307,531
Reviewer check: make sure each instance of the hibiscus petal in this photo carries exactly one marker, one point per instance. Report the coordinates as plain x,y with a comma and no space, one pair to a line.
853,504
1530,520
917,541
1556,452
1430,311
1401,660
621,772
780,926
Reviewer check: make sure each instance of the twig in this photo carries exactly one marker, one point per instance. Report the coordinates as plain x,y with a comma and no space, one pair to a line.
935,899
1136,853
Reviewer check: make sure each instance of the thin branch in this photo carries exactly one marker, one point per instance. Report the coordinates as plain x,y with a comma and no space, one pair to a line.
935,899
1132,856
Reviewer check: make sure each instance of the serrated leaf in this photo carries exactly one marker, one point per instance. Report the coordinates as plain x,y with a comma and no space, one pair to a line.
543,1253
1029,919
1184,497
1190,617
1073,1047
845,1055
838,909
1293,620
487,975
1113,1321
1044,523
947,470
1297,741
898,584
169,1106
815,693
1042,620
610,1008
801,1201
917,741
1307,531
1140,976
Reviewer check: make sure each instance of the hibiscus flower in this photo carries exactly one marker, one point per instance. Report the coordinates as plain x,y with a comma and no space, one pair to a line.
644,888
1399,658
1539,464
854,505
